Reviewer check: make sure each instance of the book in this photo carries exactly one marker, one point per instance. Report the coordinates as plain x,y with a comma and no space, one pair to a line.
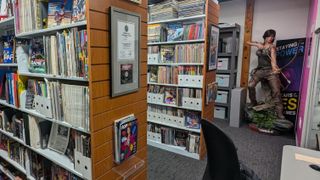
79,10
126,136
174,32
59,12
37,62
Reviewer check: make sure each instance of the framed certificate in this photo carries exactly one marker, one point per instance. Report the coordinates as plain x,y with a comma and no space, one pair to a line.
125,47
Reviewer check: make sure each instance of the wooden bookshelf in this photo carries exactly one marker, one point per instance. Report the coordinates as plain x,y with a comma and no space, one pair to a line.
210,17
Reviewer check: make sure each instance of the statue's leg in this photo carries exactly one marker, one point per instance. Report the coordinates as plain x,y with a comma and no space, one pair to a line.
254,80
275,84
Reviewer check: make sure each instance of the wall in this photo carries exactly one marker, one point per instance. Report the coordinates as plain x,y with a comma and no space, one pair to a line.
301,131
287,17
234,12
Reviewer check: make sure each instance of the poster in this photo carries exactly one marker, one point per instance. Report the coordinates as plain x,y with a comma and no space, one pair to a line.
290,55
213,48
126,40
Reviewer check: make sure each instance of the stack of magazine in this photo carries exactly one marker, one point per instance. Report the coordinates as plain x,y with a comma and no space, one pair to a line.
125,138
191,8
163,10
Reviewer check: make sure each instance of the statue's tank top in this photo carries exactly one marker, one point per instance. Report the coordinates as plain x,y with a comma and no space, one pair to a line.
264,61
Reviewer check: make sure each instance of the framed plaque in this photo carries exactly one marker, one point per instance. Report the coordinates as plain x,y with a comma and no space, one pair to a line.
125,47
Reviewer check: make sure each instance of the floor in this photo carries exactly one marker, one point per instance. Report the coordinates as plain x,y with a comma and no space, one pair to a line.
260,152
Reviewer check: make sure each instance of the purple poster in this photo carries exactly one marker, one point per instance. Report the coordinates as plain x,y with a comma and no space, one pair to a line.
290,55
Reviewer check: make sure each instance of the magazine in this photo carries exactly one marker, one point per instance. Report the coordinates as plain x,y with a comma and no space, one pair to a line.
59,138
59,12
78,10
126,136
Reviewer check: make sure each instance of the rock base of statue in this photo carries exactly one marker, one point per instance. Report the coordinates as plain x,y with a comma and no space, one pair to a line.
263,119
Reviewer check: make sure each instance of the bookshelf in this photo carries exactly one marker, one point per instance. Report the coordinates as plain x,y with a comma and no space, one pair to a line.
227,69
170,116
103,109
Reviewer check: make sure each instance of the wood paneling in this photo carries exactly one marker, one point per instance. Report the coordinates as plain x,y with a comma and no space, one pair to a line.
100,56
246,48
100,89
100,168
106,119
102,152
101,137
99,21
99,38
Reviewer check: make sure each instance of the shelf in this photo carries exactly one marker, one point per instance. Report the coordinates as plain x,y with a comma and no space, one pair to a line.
9,22
8,65
179,19
5,156
175,64
5,171
224,88
49,30
174,149
172,85
36,114
223,71
55,157
51,76
171,105
221,119
221,104
174,126
224,54
177,42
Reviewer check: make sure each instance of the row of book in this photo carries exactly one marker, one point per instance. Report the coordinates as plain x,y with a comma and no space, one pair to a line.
69,103
8,88
171,9
174,95
35,165
175,32
6,9
62,54
37,133
9,171
35,15
169,74
180,53
164,10
6,49
187,8
189,141
191,118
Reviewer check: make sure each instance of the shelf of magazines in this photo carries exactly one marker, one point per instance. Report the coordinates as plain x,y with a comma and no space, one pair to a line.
8,65
191,18
50,30
7,23
6,172
51,76
172,148
59,159
36,114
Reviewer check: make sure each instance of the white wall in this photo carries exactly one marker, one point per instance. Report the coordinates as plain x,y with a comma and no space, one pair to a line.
234,12
288,17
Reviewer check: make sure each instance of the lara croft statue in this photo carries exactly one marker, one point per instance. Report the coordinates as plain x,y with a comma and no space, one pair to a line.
267,70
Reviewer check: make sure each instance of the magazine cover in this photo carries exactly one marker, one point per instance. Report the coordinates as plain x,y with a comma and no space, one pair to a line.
37,62
167,54
174,32
59,12
192,120
170,96
126,73
79,10
180,138
128,137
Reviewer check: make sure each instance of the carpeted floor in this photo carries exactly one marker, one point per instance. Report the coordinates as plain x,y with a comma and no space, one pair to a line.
260,152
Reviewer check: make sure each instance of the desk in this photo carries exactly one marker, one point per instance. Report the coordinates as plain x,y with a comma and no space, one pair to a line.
296,161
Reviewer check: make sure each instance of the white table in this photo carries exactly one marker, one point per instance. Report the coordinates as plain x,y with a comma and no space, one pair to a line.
296,161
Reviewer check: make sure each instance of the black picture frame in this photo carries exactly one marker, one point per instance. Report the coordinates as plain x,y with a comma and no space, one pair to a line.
125,51
213,47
